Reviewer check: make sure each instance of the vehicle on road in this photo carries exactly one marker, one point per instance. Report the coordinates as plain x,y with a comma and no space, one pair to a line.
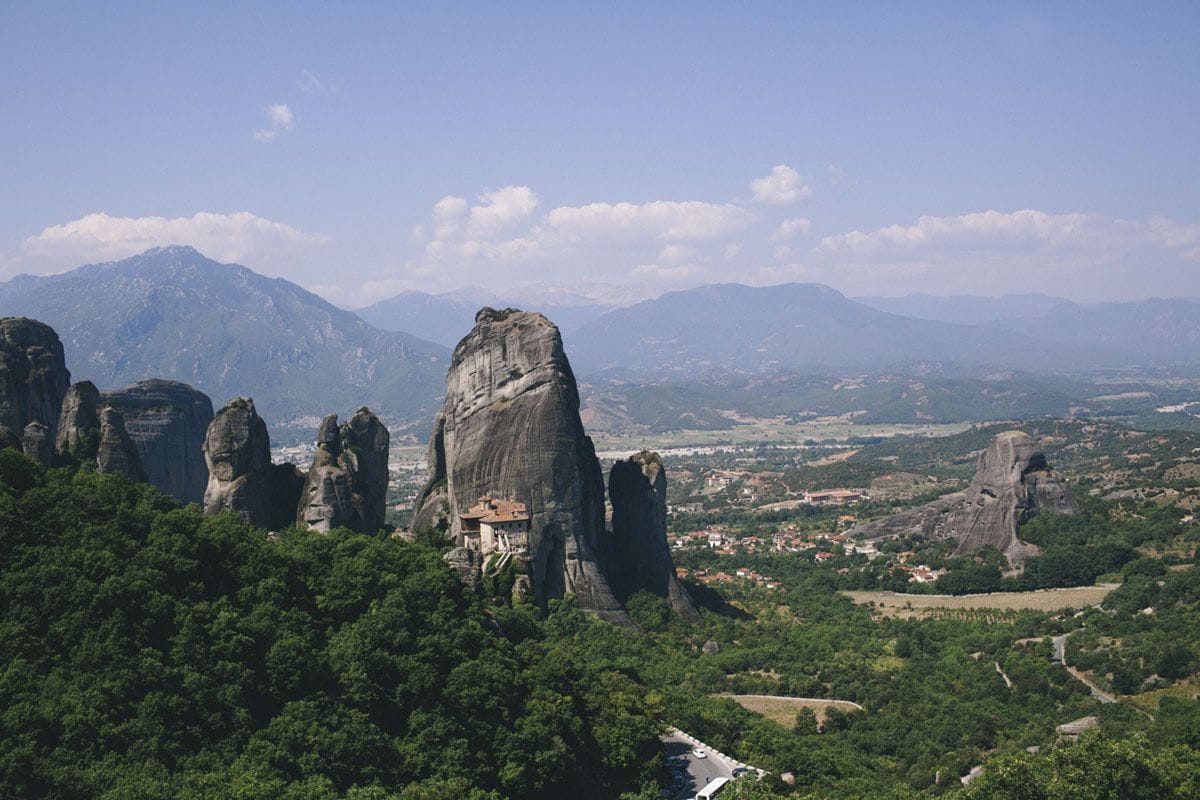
711,789
698,753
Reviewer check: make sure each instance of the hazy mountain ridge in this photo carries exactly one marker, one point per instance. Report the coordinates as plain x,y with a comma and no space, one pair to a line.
730,328
964,309
447,317
171,312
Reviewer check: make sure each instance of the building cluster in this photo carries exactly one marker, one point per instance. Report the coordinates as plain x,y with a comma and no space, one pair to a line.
743,573
496,525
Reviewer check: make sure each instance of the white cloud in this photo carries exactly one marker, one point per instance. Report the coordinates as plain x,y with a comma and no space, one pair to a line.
1026,231
279,119
674,254
1087,256
656,221
784,185
500,209
837,176
791,228
241,237
782,252
733,250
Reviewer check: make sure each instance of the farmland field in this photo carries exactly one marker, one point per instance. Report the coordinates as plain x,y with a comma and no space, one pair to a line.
783,710
924,605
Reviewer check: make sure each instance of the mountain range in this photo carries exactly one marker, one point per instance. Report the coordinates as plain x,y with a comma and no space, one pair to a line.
228,331
678,360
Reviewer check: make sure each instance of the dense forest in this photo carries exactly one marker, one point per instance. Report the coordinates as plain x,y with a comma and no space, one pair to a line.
150,652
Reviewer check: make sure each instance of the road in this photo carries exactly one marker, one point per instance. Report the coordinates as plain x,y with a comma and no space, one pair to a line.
699,770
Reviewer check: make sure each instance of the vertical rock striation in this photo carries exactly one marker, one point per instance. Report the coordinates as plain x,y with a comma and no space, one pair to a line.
37,441
347,483
78,435
115,451
510,428
1012,483
33,380
639,558
167,422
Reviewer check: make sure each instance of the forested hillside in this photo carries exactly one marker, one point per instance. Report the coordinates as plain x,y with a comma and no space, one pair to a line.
149,652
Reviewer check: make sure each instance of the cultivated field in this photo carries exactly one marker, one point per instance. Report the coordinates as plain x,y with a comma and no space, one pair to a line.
925,605
785,709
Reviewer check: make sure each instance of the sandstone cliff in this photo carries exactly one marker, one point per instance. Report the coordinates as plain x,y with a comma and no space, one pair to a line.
510,428
639,558
347,483
167,421
1012,483
33,380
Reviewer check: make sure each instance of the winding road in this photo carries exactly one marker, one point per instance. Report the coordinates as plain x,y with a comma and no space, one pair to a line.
699,770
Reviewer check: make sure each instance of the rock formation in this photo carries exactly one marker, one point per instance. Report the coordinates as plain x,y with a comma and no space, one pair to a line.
510,428
115,451
167,421
33,379
638,555
1012,483
78,435
347,483
37,441
241,477
237,451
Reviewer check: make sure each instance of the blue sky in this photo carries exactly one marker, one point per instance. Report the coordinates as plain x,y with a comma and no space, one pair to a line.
365,148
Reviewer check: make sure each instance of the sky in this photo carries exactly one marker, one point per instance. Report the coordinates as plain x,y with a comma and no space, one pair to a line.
617,149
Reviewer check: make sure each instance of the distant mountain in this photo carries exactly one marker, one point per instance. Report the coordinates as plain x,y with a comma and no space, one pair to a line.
964,309
1158,331
734,329
172,313
448,317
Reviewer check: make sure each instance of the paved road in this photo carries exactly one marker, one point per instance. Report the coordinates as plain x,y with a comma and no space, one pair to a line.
1060,651
699,770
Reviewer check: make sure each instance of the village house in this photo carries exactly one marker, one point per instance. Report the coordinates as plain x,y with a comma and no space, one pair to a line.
832,497
496,526
721,479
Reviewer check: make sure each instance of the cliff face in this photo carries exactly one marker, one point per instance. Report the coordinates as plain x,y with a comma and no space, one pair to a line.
639,558
167,421
115,450
347,483
1012,483
33,380
510,428
79,423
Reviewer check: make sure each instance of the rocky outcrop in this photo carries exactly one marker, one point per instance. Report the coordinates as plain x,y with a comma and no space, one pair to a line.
78,435
466,564
33,379
116,453
167,422
510,428
37,442
347,483
639,558
1012,483
237,451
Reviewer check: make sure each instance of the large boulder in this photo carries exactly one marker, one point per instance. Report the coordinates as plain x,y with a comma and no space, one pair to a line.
510,428
639,558
115,451
1012,483
33,377
167,422
78,435
347,483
